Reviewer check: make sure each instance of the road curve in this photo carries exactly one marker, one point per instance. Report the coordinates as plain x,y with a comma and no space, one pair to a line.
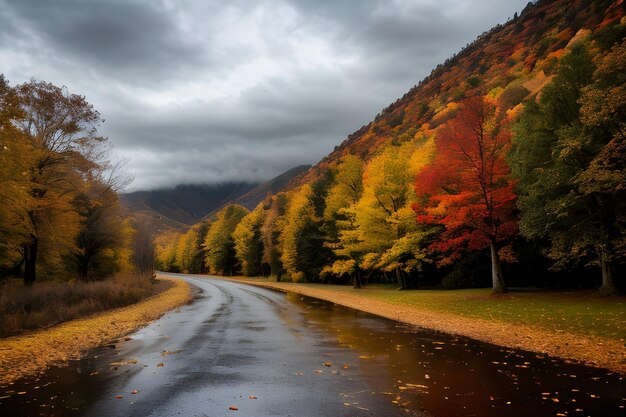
235,341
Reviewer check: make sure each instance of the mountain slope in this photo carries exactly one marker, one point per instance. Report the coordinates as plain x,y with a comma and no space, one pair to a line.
509,63
183,205
253,197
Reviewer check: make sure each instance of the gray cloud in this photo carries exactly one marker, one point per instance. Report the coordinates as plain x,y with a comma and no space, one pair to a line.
210,91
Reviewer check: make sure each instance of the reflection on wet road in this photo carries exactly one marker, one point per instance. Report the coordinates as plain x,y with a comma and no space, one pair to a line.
270,354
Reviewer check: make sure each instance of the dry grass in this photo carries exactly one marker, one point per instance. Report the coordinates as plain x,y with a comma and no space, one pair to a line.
49,303
33,352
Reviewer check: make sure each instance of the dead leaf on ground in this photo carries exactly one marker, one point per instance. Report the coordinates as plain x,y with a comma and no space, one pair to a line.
160,364
171,352
233,408
129,362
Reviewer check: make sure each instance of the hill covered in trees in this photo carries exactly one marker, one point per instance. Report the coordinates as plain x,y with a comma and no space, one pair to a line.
503,167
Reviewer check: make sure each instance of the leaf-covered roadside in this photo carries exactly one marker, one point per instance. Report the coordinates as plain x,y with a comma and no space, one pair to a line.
532,322
32,353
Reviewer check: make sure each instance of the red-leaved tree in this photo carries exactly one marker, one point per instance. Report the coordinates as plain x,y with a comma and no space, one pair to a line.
467,189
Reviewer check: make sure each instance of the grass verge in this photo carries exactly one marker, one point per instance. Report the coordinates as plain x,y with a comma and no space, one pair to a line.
49,303
34,352
571,325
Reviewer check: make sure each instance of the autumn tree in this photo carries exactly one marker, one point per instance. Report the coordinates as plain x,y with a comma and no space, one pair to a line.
379,215
15,160
569,156
165,246
219,243
467,188
248,245
274,220
101,231
303,254
61,130
185,248
339,217
143,249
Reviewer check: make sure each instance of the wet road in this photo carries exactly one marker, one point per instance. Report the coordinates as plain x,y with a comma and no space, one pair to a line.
236,341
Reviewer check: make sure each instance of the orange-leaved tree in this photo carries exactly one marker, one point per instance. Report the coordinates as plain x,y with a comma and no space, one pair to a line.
467,189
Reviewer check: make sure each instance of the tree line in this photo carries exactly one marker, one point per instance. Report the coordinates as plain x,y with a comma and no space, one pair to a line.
535,199
60,215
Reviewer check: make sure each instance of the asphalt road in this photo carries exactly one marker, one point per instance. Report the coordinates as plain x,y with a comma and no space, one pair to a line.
233,342
236,341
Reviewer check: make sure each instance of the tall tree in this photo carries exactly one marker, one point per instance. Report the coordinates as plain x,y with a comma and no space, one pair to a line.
467,188
61,128
303,254
339,217
101,230
219,244
568,155
275,207
248,245
15,160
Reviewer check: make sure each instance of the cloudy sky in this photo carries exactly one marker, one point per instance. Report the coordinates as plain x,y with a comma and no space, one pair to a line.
203,91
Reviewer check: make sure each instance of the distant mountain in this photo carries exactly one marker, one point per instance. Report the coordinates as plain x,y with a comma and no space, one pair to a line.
183,205
253,197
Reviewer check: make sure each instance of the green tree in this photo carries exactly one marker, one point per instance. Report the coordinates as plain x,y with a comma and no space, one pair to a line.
569,161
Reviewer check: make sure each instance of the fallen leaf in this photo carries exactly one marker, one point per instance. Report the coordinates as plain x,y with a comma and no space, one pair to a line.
134,391
170,352
252,397
233,408
119,396
328,364
160,364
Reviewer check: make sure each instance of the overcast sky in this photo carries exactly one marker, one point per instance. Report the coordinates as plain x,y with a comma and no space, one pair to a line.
203,91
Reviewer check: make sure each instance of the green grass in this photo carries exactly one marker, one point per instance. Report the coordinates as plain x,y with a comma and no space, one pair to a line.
579,312
576,311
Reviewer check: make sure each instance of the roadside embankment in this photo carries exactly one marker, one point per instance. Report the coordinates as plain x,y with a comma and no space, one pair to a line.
545,324
31,353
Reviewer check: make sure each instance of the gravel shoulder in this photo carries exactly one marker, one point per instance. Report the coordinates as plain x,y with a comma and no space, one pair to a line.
592,350
34,352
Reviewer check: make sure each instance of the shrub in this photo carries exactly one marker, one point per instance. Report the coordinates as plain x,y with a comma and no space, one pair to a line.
49,303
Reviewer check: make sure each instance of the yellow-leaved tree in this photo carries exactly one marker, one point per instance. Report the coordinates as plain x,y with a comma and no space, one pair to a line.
387,237
220,247
248,245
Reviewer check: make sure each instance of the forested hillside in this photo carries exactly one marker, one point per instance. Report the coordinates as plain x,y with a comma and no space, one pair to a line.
504,167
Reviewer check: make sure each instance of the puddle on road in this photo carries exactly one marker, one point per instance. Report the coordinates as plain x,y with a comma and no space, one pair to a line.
443,375
420,371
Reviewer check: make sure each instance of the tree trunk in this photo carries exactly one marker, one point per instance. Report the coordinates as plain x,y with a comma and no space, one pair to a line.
401,280
83,268
608,287
356,280
30,261
497,279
